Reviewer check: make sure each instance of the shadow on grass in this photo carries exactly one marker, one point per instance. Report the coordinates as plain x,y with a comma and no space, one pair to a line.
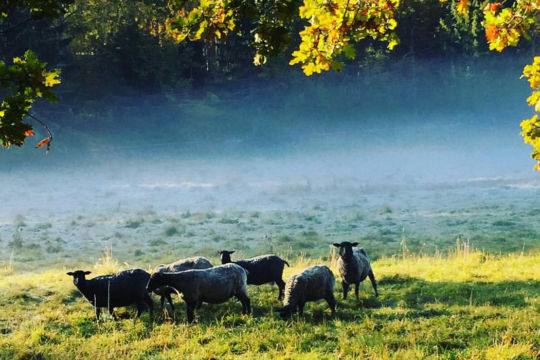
415,296
417,292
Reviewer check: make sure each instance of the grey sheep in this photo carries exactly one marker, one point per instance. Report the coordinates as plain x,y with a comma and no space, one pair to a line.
214,285
314,283
197,262
118,290
261,269
353,267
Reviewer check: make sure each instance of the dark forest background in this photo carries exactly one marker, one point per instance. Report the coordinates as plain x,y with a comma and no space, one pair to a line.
125,81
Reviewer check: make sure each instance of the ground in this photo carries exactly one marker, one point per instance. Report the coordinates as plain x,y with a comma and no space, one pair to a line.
457,268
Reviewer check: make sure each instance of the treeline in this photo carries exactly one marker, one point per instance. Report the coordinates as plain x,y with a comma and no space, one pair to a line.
121,46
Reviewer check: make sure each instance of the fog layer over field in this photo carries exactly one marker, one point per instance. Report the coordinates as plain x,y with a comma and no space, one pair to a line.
394,154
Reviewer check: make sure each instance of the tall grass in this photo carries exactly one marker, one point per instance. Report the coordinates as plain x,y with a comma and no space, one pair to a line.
463,305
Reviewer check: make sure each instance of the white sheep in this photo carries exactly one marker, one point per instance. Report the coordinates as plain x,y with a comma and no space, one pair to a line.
314,283
214,285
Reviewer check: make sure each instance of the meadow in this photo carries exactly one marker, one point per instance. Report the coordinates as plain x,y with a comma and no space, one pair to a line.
457,268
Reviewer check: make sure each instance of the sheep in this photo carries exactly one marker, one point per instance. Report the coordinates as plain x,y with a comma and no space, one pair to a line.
197,262
353,267
314,283
116,290
261,269
214,285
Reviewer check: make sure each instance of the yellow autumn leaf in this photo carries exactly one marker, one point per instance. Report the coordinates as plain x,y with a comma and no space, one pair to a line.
392,44
51,79
463,7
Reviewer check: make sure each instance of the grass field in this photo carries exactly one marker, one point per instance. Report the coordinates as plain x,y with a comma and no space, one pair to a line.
466,305
457,267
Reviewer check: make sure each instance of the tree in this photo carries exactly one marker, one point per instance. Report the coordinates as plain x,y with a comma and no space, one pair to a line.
26,79
129,38
334,25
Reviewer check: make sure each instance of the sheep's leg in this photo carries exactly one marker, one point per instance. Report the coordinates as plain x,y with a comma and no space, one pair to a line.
301,308
169,299
98,311
162,300
150,303
111,311
281,285
246,303
140,308
356,287
190,310
345,289
331,300
373,282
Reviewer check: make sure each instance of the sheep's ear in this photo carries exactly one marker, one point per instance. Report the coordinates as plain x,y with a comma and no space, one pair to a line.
232,252
336,245
354,244
87,272
70,273
220,252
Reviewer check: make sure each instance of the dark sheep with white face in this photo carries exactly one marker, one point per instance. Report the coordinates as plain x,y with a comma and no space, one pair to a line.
197,262
353,267
118,290
261,269
214,285
314,283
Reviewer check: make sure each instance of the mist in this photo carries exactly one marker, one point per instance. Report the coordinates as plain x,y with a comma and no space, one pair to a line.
413,141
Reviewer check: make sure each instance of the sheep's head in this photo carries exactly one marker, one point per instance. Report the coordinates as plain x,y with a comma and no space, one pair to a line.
225,256
345,248
78,276
287,311
155,282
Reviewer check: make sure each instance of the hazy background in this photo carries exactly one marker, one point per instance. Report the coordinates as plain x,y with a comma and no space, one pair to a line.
427,151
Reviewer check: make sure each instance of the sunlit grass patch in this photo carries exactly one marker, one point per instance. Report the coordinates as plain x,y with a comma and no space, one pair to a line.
468,305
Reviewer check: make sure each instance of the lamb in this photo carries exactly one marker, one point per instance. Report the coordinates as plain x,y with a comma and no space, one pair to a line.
214,285
118,290
261,269
197,262
353,267
314,283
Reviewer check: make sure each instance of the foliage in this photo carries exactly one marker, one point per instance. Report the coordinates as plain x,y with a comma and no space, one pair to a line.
531,127
37,8
333,25
25,80
505,26
106,47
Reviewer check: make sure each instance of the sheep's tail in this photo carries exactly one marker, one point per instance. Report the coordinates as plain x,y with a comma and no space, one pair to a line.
285,262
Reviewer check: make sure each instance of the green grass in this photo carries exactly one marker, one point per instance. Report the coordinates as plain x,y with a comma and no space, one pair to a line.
465,305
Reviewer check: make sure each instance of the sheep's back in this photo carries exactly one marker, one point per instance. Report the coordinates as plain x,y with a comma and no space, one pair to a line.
213,285
312,284
197,262
122,289
262,269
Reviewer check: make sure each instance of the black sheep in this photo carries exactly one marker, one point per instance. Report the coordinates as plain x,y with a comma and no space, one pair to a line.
353,267
261,269
117,290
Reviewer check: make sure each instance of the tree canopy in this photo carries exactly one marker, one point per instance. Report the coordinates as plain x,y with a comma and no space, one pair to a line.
228,34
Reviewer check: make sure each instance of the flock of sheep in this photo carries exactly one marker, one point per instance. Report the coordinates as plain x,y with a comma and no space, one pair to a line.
198,281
